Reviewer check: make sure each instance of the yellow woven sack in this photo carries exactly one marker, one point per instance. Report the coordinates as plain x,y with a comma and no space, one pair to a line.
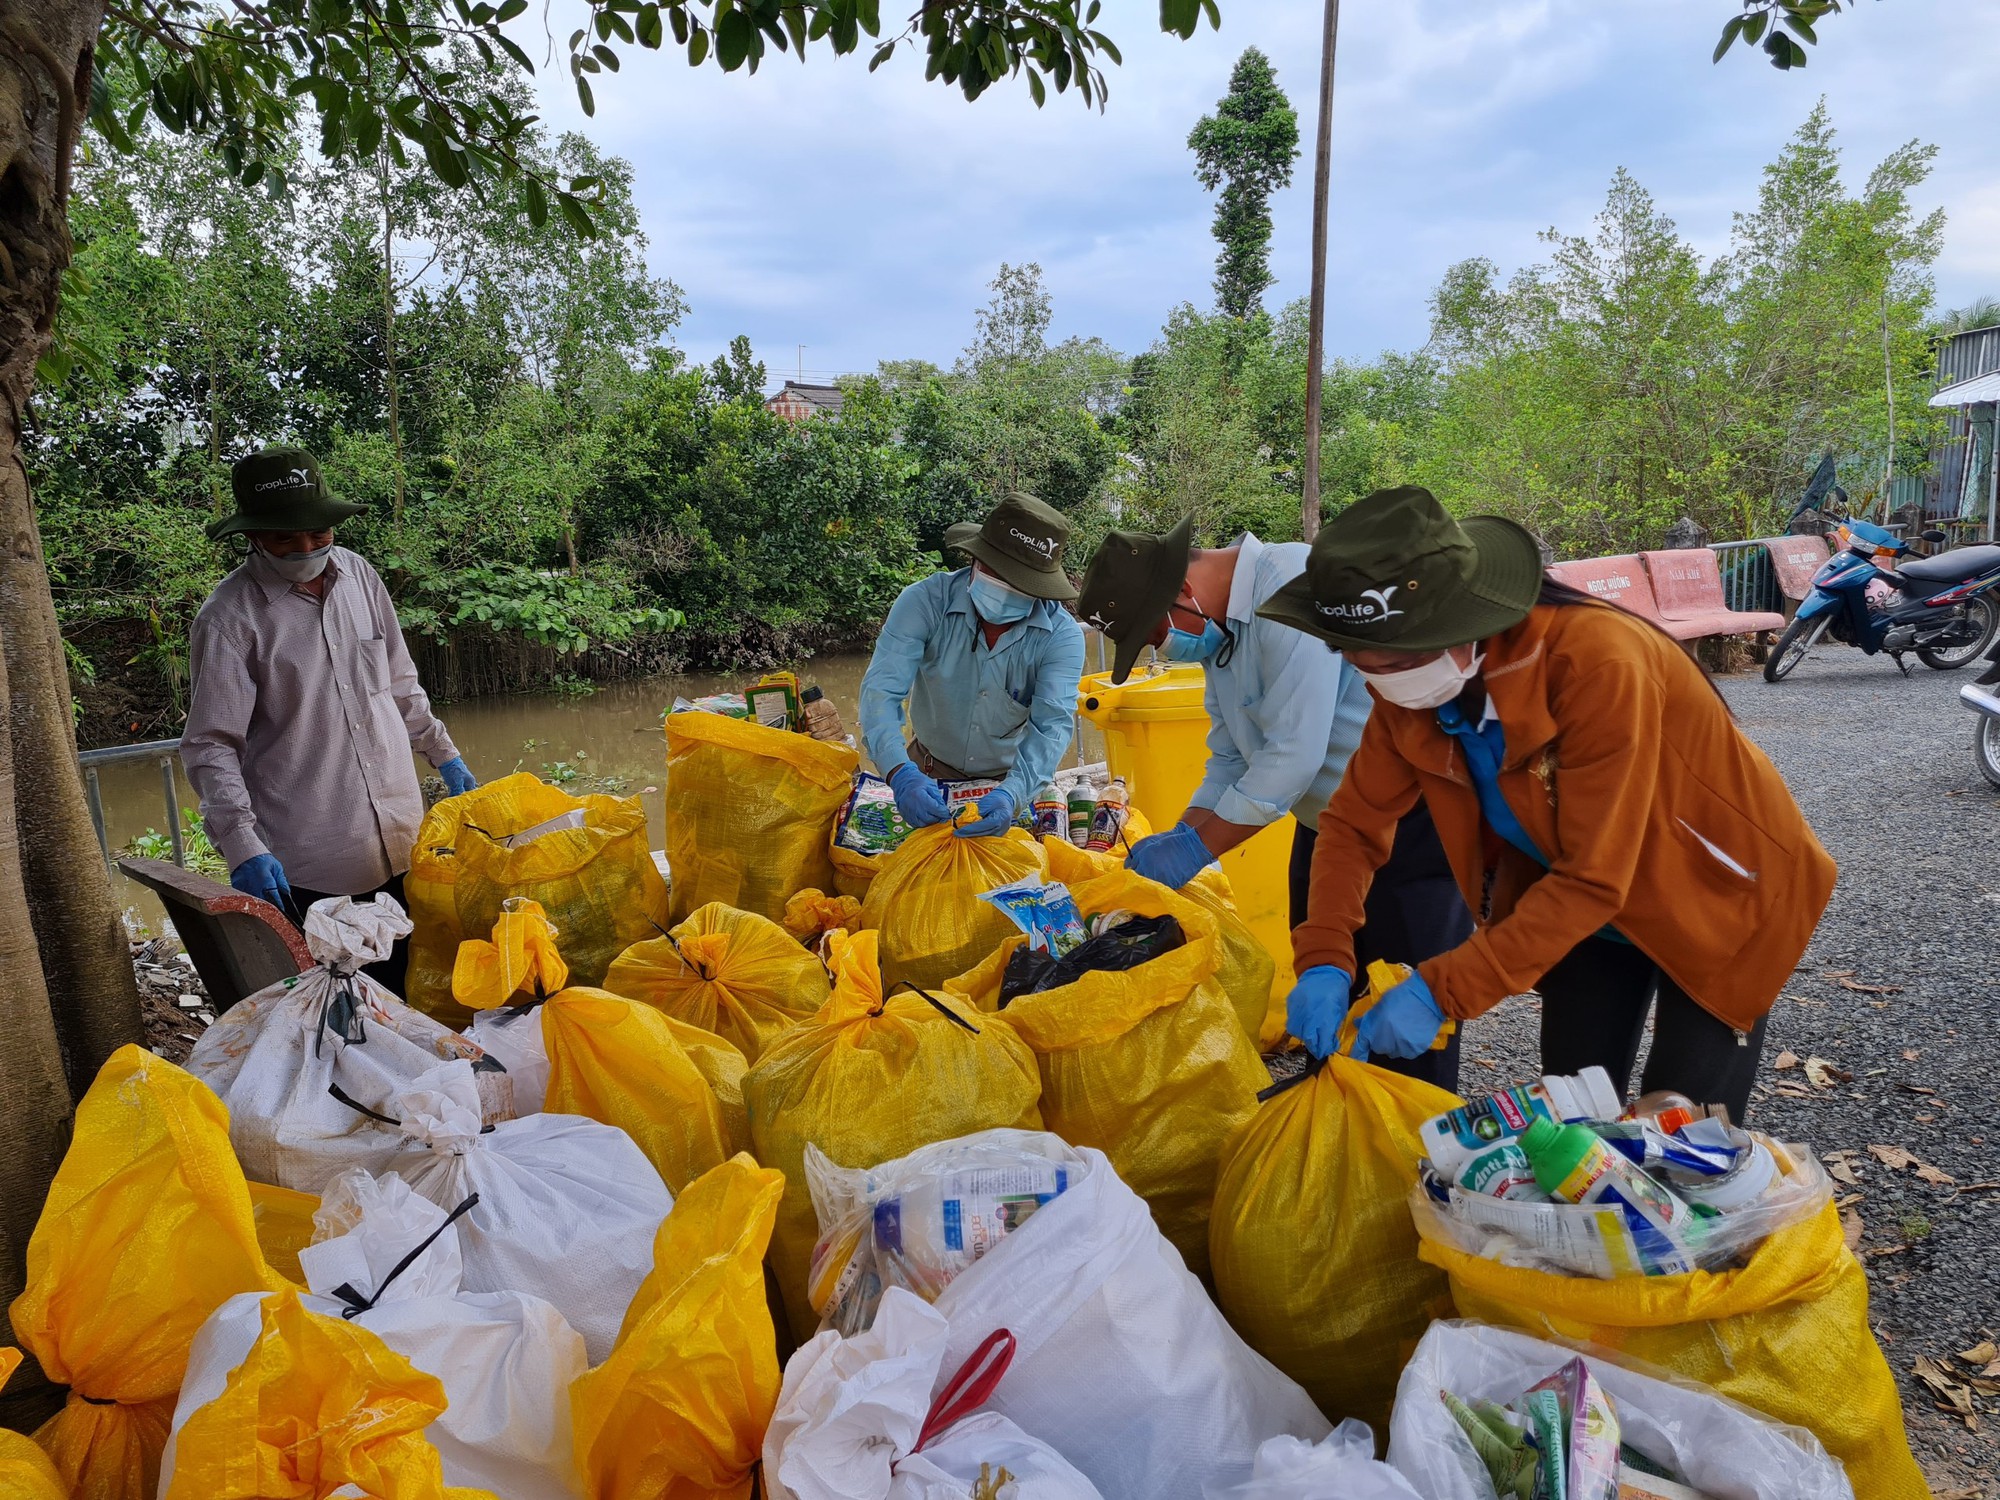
284,1221
598,883
678,1411
1786,1335
675,1089
750,812
1314,1255
853,871
869,1079
147,1229
318,1403
25,1471
925,901
727,971
812,914
1244,968
1150,1065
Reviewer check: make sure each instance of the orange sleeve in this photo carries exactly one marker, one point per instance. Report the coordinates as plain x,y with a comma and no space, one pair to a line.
1355,834
1607,769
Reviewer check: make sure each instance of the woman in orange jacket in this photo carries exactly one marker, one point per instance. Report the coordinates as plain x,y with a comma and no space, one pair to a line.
1623,840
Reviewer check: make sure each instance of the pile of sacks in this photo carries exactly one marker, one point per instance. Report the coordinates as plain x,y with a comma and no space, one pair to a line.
1067,1242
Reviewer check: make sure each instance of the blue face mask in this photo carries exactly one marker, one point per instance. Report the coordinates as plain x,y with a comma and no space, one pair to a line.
997,603
1185,646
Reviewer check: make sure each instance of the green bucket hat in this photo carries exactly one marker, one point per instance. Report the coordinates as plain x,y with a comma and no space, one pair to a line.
1022,542
1131,583
280,489
1396,571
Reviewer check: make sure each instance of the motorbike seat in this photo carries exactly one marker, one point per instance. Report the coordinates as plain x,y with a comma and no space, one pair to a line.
1950,567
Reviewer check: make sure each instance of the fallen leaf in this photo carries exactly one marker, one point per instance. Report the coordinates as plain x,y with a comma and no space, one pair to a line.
1981,1353
1893,1157
1952,1395
1840,973
1936,1176
1910,1054
1881,1250
1822,1074
1850,1228
1793,1091
1784,1062
1841,1172
1959,1494
1869,989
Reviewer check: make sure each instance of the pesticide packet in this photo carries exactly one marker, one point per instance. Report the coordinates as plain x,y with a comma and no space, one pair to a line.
1588,1455
1699,1151
1045,911
729,705
870,823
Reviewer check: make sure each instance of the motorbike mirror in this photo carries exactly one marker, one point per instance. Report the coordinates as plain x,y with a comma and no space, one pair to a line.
1934,536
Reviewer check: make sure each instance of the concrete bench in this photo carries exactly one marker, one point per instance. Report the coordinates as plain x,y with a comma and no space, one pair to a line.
1687,590
238,943
1794,561
1616,580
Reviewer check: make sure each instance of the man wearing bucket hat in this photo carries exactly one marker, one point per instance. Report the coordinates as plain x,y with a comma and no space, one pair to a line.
1635,853
306,704
1284,716
987,660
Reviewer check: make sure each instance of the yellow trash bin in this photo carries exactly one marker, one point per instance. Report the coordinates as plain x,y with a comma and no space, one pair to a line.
1156,736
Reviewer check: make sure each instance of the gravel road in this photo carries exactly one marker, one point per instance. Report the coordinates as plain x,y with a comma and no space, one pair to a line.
1883,767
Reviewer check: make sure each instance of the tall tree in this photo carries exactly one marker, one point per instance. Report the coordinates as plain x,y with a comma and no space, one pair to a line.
1246,149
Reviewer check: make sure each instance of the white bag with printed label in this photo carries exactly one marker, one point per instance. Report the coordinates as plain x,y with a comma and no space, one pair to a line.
567,1207
283,1059
505,1359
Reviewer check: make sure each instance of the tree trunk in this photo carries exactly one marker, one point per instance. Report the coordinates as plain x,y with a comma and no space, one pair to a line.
1316,308
67,1000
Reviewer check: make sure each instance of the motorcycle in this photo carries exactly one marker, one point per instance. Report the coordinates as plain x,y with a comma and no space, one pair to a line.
1946,607
1983,698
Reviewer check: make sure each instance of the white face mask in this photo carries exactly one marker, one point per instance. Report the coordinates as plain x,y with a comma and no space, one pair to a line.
1431,685
299,567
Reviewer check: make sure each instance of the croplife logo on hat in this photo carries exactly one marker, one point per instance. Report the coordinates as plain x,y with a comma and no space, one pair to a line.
1372,608
293,479
1045,545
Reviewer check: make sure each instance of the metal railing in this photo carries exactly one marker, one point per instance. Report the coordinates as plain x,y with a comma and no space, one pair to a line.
1749,582
166,752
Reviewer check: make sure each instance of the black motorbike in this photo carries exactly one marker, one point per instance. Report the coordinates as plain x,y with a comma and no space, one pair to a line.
1982,696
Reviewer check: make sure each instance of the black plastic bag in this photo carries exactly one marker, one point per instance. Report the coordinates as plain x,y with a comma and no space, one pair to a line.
1030,971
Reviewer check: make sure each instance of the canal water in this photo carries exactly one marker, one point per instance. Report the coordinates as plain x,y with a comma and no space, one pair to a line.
612,741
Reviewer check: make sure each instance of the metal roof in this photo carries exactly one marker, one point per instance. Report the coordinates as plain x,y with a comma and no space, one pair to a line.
1966,392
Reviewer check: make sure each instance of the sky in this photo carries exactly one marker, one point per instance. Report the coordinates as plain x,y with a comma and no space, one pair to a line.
863,216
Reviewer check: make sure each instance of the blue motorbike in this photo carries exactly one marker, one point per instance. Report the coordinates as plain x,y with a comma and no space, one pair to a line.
1944,608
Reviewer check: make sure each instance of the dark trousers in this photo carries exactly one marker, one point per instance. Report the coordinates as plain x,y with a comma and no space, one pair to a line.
1594,1007
391,971
1413,912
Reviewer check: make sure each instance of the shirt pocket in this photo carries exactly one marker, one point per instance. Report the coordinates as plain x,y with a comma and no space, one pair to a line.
371,665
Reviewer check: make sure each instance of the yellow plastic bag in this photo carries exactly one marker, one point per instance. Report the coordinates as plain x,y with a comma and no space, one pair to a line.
925,901
597,883
284,1220
678,1411
1244,968
318,1403
675,1089
812,914
1786,1335
1150,1065
869,1079
25,1471
147,1230
727,971
1312,1248
750,812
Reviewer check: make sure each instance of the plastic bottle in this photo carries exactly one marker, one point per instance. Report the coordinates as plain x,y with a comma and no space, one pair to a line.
821,718
1573,1165
1051,812
1107,819
1453,1139
1082,803
1670,1110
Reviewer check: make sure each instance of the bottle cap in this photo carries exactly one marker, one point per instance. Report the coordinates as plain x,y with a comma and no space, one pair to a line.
811,694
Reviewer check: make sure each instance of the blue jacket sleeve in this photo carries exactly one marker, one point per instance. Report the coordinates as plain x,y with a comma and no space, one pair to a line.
892,671
1302,683
1052,714
1225,757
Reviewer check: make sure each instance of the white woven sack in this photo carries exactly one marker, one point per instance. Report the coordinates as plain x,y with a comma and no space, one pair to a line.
276,1057
516,1039
1719,1447
567,1207
852,1410
505,1359
1123,1363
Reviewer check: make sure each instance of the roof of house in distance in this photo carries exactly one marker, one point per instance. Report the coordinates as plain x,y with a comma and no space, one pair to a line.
822,398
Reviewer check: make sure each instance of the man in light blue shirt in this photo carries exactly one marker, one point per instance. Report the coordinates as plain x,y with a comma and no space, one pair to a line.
1283,720
987,660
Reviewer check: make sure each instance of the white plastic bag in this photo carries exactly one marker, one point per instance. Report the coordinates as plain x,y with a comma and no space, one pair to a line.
567,1207
1343,1467
506,1359
851,1415
277,1057
1123,1364
1719,1447
513,1036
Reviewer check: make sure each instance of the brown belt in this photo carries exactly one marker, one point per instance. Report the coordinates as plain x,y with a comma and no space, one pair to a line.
936,769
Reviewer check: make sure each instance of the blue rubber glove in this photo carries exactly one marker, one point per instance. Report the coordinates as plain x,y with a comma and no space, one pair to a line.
458,777
1403,1023
917,796
263,877
996,816
1317,1006
1173,858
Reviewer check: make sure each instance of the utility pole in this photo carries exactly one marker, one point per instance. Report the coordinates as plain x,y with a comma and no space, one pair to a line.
1889,388
1316,317
802,364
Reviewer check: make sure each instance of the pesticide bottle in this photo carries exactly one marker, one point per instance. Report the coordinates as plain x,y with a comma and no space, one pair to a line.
1107,819
1452,1140
1051,812
1082,803
1573,1165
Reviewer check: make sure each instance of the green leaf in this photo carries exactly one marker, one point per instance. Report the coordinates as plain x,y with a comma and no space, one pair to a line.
1180,17
538,202
578,216
697,49
651,33
734,36
606,56
1035,88
1753,26
882,54
511,9
584,96
1731,30
1802,26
